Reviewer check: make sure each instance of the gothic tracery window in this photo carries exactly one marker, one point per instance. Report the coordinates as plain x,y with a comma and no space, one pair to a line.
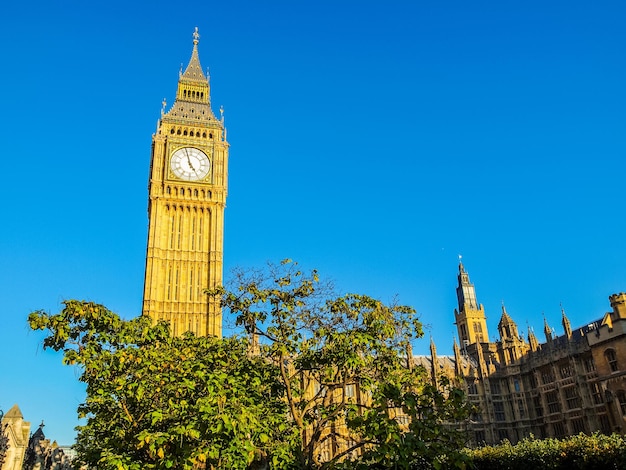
611,359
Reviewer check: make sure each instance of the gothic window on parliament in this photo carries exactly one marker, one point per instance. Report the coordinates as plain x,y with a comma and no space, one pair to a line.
589,364
318,390
532,380
566,371
538,407
596,393
578,425
605,424
401,418
611,358
498,408
478,331
553,402
572,398
547,376
559,430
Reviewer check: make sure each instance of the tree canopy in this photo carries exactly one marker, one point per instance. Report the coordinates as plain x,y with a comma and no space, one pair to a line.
313,380
346,366
155,401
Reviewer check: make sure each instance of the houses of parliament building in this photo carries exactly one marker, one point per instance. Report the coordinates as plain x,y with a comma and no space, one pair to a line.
568,383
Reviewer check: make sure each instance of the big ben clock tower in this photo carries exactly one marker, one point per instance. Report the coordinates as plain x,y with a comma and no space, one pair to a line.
187,196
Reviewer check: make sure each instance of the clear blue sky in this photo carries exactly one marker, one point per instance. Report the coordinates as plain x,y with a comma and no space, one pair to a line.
373,141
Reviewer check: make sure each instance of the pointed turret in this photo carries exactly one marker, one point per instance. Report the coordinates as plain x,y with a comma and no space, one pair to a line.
511,346
409,356
567,327
532,340
458,365
482,365
193,96
38,435
434,361
194,72
547,330
507,327
18,430
14,413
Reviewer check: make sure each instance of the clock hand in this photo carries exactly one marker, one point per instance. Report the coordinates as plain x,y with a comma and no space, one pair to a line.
190,164
189,159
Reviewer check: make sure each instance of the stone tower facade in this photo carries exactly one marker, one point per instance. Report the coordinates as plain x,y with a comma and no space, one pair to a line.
470,318
571,383
17,431
187,197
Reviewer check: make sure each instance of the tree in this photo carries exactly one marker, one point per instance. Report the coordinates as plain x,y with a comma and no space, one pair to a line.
319,381
4,443
428,437
155,401
345,364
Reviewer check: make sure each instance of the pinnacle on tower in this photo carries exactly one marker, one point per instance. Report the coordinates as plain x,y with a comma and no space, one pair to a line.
547,330
532,340
194,71
567,327
507,327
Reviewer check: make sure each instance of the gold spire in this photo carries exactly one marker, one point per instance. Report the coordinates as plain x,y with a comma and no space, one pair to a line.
194,71
193,96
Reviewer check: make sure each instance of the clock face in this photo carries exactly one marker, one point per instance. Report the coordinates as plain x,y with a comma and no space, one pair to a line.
190,164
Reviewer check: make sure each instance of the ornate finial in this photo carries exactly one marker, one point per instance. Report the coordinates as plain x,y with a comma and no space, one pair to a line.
461,267
196,37
163,105
41,425
180,72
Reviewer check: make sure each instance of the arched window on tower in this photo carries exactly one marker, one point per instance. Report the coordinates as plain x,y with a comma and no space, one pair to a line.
191,285
611,359
169,283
